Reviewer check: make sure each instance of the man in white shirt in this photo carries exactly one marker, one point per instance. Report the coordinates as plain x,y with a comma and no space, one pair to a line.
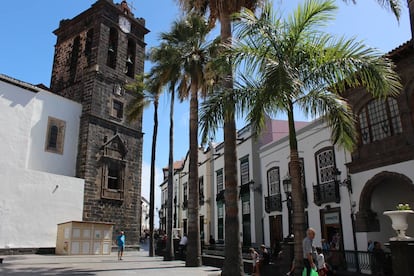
183,244
308,251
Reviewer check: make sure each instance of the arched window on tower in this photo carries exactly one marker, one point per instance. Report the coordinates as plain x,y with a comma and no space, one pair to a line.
130,62
112,48
74,59
88,46
379,119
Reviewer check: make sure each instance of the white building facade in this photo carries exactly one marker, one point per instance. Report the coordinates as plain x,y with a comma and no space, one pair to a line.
39,143
327,201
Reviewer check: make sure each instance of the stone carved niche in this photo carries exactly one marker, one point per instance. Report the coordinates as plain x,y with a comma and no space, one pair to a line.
113,168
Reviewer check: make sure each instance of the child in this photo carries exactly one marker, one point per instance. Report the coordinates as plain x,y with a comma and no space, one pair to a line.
255,257
120,240
322,270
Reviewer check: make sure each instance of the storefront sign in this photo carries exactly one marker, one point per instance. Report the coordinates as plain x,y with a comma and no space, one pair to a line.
332,218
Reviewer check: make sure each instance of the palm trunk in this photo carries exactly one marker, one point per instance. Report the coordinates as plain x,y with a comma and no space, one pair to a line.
233,264
152,179
169,253
298,216
193,246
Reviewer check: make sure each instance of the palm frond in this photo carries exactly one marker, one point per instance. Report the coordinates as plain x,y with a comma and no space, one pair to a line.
395,6
308,18
335,111
211,116
141,98
346,63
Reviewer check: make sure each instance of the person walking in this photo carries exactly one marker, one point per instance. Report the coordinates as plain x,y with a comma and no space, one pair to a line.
308,251
182,245
264,259
120,241
255,258
379,259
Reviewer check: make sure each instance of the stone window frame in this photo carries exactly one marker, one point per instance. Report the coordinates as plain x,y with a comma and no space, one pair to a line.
74,57
130,59
111,59
88,45
114,176
115,113
55,144
109,192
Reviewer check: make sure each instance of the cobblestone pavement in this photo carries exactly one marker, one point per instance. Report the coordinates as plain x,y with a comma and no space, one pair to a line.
133,263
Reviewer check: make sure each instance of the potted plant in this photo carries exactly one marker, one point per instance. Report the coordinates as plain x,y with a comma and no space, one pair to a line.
399,220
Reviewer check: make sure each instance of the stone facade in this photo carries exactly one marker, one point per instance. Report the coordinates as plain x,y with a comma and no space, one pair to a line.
392,150
94,58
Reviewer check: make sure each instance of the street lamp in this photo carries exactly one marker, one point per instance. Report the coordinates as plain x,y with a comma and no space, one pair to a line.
287,187
346,182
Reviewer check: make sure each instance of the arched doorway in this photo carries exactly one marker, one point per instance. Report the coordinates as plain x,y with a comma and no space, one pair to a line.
381,193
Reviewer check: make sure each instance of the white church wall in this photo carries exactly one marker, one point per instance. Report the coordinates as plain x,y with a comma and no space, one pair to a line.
23,128
35,203
47,105
15,122
36,189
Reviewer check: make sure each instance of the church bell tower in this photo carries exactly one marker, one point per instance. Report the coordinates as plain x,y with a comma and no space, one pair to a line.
96,54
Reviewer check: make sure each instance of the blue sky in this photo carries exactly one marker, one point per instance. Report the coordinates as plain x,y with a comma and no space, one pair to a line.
27,46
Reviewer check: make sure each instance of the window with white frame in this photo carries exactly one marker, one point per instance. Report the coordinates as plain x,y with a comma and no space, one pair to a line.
273,181
325,164
219,177
244,170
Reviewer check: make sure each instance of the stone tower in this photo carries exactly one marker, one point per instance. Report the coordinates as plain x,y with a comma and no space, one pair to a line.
96,54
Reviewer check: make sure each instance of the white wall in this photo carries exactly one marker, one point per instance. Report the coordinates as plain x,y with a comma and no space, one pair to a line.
23,129
47,104
310,139
36,190
16,111
32,203
385,197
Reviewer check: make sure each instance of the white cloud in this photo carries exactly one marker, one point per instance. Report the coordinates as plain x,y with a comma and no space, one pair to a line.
145,187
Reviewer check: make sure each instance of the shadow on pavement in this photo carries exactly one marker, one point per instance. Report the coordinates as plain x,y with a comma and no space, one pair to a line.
44,271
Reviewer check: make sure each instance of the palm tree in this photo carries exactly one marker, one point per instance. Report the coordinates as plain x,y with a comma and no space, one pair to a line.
223,10
167,71
188,37
295,65
393,5
145,93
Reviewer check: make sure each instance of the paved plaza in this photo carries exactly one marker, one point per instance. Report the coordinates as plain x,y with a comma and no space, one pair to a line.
133,263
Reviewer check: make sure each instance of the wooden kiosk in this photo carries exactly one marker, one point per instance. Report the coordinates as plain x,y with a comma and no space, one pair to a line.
84,238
